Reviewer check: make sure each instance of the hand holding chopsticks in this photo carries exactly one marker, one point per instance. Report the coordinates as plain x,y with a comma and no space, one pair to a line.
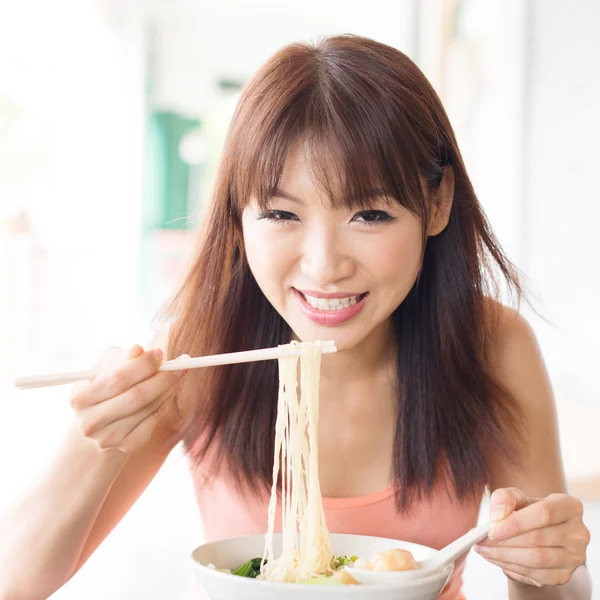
38,381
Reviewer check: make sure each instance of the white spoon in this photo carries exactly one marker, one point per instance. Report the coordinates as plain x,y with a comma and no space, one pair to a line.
430,566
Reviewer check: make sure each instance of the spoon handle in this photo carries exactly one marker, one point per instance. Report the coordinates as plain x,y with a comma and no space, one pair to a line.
458,547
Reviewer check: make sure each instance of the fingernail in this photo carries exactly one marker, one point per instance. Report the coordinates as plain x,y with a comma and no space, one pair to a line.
158,353
480,549
498,512
531,582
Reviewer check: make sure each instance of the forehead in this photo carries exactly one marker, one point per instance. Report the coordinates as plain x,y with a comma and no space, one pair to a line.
297,176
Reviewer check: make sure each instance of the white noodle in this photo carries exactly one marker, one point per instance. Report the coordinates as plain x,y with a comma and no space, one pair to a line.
297,458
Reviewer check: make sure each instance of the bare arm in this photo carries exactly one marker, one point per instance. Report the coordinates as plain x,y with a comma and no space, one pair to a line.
68,514
91,484
540,481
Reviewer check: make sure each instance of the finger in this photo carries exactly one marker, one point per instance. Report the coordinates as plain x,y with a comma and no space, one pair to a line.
115,434
543,557
142,432
521,578
108,361
542,576
504,501
557,535
550,511
115,381
132,401
135,351
111,357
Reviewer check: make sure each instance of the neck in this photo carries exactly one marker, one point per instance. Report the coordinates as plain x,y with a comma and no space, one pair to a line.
373,357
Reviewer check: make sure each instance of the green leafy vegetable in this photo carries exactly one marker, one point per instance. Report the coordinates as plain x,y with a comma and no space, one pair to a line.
250,569
342,560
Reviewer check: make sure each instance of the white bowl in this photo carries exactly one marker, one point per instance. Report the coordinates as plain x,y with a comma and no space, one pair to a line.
233,552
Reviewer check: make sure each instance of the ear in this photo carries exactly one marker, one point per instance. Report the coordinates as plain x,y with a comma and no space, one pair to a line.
440,213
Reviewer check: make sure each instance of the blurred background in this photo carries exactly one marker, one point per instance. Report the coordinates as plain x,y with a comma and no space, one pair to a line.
112,117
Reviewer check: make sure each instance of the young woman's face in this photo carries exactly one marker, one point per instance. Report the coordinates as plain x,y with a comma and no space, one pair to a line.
332,274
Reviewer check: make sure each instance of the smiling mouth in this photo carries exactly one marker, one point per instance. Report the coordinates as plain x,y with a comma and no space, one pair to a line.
332,304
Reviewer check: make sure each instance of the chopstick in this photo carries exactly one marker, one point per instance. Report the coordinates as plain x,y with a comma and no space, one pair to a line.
37,381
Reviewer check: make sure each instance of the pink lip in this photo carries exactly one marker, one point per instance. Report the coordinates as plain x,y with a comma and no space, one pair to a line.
330,318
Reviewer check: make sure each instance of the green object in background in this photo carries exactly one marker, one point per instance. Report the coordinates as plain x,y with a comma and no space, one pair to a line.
169,201
167,176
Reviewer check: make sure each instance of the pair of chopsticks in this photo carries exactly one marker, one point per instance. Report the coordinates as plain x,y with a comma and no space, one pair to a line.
37,381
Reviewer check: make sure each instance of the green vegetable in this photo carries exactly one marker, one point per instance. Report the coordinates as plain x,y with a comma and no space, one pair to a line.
250,569
342,560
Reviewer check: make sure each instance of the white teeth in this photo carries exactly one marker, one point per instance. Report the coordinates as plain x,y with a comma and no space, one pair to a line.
331,304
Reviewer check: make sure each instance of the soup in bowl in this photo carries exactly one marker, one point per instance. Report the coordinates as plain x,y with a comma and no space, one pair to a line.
212,561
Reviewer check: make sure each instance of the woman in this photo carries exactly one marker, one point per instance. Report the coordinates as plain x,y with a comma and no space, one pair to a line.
342,211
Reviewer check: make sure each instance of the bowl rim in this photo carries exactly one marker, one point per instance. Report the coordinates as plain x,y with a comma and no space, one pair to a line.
202,570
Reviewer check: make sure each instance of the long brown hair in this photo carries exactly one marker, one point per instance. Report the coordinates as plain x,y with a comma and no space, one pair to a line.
370,120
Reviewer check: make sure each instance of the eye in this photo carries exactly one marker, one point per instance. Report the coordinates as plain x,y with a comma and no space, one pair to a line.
278,216
372,217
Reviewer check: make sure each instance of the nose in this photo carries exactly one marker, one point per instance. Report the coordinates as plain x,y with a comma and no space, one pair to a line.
326,259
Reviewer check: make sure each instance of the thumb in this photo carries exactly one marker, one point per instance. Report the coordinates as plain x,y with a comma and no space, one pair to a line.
135,351
505,501
114,356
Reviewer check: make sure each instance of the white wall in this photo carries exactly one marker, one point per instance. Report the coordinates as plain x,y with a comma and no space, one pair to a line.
520,85
198,43
562,214
80,82
563,196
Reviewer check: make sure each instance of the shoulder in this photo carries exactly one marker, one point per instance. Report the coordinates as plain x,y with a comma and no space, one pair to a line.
512,335
515,355
518,366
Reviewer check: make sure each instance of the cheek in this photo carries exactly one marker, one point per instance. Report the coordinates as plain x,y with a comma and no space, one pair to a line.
270,260
396,258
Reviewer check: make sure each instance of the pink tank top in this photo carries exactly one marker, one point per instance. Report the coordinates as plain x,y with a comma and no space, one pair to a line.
435,523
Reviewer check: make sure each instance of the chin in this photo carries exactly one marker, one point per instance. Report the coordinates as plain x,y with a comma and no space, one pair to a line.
345,337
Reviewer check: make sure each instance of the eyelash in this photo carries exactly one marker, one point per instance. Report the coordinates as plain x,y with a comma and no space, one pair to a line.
282,216
381,215
278,216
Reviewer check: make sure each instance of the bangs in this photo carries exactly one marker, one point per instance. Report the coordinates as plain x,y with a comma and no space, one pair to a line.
357,142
